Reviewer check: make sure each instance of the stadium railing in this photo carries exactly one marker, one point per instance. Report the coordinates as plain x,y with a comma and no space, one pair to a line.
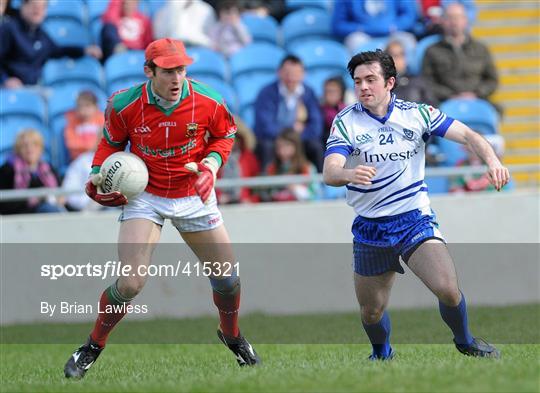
271,181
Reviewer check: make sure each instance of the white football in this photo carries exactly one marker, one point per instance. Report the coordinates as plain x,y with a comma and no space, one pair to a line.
123,172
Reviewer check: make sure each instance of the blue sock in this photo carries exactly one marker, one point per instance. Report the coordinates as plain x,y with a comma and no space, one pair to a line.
456,319
379,336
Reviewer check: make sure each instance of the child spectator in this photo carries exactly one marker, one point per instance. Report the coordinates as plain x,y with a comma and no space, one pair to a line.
229,35
242,163
333,102
26,169
289,159
83,125
124,27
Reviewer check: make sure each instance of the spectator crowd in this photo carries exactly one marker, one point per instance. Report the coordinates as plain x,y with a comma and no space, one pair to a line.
284,98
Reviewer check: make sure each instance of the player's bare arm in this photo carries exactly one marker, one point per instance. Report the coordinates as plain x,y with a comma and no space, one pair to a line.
335,174
497,173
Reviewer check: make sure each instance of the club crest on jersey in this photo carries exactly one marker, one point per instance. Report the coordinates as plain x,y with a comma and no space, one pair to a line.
408,134
191,129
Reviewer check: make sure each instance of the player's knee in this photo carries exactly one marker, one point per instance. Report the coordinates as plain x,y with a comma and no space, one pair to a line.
226,285
371,315
450,296
131,286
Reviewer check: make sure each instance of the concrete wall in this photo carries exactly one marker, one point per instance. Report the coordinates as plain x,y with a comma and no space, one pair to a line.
499,264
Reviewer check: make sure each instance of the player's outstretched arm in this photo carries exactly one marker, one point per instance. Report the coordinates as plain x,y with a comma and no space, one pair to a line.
334,173
497,173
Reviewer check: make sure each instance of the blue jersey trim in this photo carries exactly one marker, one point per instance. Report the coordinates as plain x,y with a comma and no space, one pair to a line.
415,184
363,190
441,130
388,113
384,178
404,197
345,151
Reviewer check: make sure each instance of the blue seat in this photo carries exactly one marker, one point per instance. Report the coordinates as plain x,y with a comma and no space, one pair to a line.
248,88
478,114
372,45
96,9
59,72
22,104
298,4
322,54
67,32
207,62
64,98
262,29
12,126
257,58
306,24
415,65
248,116
123,70
95,31
67,10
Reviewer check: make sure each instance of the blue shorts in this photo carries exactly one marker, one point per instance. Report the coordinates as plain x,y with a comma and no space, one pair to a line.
379,242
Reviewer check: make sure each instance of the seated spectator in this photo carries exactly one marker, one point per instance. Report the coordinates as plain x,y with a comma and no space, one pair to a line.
479,182
432,12
288,103
189,21
124,27
229,35
458,66
408,87
356,21
25,46
83,125
242,163
26,169
289,159
333,101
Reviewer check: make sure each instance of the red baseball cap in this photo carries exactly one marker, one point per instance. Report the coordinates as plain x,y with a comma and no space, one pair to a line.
167,53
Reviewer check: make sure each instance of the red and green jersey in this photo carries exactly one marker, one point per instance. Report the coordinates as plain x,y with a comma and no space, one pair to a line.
200,125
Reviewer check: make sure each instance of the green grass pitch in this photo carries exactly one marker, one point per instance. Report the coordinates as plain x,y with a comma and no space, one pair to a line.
431,365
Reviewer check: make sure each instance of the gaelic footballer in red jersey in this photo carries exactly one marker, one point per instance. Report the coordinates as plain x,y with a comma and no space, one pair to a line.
183,132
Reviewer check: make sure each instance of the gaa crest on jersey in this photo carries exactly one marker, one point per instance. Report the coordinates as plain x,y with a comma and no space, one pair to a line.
191,129
408,134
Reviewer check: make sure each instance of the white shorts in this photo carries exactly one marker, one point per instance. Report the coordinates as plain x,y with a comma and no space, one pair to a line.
188,214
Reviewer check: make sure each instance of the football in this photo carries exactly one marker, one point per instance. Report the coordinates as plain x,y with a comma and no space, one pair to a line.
123,172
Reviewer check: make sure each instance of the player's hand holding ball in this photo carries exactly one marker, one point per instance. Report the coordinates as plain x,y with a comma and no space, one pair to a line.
206,170
110,199
362,175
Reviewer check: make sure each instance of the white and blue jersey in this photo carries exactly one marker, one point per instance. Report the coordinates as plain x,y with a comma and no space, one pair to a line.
393,213
395,146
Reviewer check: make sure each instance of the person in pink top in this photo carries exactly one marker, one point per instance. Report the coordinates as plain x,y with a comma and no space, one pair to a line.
125,27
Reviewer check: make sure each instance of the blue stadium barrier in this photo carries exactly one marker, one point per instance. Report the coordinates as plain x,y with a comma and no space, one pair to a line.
67,32
207,62
59,72
306,24
74,10
256,58
262,29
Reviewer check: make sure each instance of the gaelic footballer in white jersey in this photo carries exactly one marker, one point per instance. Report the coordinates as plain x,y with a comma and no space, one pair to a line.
395,146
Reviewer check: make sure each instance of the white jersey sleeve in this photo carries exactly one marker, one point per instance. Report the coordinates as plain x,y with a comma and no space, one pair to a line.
340,138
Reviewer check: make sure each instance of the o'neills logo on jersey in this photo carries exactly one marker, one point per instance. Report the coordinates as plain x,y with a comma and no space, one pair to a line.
383,157
191,129
167,124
